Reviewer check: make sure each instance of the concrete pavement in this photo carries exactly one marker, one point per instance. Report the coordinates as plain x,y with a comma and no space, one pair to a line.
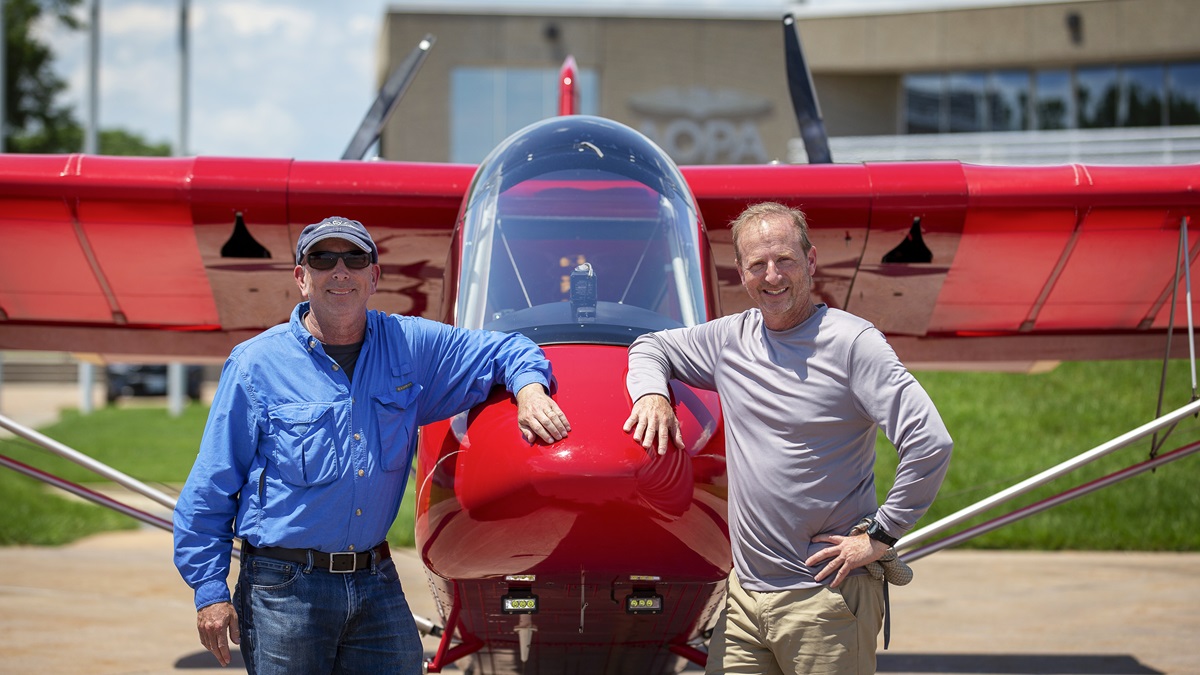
113,604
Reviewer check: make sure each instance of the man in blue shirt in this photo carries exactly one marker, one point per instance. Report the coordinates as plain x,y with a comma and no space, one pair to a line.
306,455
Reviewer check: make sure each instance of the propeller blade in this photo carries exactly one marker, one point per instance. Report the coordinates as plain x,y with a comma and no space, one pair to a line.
804,96
389,96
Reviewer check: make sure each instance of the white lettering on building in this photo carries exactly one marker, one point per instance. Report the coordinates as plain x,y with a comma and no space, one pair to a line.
700,126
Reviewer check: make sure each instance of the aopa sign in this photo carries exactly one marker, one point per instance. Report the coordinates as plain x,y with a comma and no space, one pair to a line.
703,126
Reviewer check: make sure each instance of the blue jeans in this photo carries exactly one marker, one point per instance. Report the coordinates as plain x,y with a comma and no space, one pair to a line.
295,619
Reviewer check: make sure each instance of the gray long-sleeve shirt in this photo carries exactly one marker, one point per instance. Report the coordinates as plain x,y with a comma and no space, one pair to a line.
801,409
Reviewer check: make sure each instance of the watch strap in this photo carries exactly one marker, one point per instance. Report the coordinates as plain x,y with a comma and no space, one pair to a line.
876,532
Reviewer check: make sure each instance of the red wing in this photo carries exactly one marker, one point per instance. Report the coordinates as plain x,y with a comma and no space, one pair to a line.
139,256
124,255
1028,263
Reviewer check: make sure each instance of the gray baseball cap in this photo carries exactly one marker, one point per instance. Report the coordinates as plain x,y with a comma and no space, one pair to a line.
336,227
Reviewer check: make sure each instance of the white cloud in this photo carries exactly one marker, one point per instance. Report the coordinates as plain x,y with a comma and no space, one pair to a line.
274,78
224,131
270,20
280,81
141,21
279,78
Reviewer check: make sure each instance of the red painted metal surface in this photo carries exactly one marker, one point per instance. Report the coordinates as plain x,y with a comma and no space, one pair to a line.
568,87
582,515
1060,258
138,256
1052,262
137,245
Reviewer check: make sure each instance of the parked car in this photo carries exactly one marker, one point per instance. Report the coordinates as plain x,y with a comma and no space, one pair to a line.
148,380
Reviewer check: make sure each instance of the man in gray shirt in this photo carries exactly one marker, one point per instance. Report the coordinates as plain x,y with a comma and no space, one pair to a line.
803,389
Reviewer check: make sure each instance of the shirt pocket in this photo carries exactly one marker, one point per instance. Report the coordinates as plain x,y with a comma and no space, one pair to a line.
395,411
306,443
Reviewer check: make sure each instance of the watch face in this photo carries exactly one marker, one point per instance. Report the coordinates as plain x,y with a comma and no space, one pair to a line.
876,532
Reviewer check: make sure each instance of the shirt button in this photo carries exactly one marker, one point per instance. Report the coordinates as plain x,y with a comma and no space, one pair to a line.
358,512
351,547
358,437
360,473
335,366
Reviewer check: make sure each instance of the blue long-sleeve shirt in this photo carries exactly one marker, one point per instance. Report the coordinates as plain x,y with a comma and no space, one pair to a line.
294,454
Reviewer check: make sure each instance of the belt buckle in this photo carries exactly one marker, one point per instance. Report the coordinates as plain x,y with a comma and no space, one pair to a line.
344,567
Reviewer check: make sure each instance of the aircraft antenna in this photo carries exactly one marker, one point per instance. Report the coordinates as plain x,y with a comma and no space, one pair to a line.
389,97
804,96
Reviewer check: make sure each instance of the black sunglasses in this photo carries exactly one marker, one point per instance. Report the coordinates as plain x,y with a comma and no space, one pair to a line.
327,260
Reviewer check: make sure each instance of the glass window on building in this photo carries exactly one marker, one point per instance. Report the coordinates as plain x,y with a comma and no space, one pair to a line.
1097,97
1183,83
1052,100
1008,100
965,101
489,104
1142,102
1091,97
923,103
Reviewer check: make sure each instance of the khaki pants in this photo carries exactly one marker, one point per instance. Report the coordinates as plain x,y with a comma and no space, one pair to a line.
809,630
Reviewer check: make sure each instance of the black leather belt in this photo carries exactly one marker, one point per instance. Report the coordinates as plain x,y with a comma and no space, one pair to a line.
342,562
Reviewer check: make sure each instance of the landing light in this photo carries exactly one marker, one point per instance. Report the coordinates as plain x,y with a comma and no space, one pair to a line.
519,603
643,602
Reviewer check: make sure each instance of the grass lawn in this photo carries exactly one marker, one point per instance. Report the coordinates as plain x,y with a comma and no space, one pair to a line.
143,442
1007,427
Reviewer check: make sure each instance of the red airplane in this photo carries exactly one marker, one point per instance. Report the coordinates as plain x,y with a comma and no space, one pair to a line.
590,555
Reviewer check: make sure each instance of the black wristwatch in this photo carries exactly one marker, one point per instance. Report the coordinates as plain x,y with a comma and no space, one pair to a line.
876,532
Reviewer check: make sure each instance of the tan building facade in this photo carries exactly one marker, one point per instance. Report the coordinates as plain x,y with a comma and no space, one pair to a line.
713,89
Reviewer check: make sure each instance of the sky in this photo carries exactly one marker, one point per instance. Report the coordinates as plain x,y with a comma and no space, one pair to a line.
270,78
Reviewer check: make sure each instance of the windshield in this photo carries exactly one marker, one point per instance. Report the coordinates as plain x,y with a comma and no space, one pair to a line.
578,229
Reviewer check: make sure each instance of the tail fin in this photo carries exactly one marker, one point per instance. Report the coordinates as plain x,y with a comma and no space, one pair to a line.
568,95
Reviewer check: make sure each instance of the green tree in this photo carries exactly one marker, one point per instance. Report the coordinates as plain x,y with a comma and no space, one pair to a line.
37,121
122,142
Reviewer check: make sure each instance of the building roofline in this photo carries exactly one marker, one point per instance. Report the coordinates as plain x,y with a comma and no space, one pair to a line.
583,9
894,7
701,10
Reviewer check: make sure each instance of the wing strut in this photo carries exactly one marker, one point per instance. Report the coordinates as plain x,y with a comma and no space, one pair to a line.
1038,507
83,492
804,96
426,626
99,468
1046,476
397,83
1182,260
